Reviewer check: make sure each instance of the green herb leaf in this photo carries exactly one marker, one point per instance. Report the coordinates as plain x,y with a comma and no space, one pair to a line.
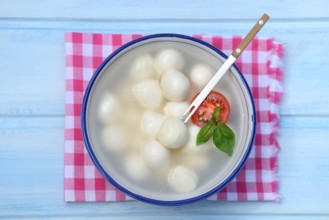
205,133
224,139
216,114
217,138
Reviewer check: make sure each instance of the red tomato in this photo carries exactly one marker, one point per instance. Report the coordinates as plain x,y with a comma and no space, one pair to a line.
204,113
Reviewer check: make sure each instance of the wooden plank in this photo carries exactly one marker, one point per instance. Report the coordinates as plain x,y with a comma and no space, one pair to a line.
31,155
229,217
32,78
295,122
33,52
149,10
184,217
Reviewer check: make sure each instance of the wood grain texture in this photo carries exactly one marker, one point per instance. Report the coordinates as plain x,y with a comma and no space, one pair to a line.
157,9
32,101
39,64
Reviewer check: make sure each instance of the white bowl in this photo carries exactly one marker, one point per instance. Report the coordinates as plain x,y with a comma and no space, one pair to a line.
233,86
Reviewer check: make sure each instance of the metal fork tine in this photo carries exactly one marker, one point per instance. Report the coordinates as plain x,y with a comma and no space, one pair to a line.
190,115
185,114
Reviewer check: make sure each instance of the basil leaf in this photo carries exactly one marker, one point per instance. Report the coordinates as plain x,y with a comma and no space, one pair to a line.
224,139
205,133
217,138
216,114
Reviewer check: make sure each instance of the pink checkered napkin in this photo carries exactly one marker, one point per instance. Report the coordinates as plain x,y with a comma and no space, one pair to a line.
260,63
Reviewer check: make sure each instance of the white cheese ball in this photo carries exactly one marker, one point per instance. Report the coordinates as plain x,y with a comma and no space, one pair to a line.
169,59
108,109
183,179
175,109
148,94
156,156
191,147
114,138
143,68
136,168
151,123
175,85
200,75
173,133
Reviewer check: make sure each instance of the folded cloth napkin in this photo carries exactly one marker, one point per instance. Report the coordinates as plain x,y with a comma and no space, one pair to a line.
260,64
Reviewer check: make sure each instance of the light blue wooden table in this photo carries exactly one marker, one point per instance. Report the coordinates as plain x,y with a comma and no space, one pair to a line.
32,101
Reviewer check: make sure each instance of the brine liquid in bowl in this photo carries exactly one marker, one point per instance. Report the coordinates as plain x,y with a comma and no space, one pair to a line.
131,98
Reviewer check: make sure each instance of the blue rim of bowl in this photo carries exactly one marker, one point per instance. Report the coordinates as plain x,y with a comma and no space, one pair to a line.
117,185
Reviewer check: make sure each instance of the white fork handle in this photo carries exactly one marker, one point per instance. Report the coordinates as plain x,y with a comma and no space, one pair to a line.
220,73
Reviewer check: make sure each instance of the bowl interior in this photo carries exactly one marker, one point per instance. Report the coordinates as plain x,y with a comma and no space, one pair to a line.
112,77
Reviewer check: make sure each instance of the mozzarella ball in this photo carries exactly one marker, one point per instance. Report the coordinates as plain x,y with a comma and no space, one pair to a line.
200,75
136,168
156,156
175,86
142,68
114,138
173,133
183,179
169,59
197,161
175,109
151,123
109,109
191,147
148,94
